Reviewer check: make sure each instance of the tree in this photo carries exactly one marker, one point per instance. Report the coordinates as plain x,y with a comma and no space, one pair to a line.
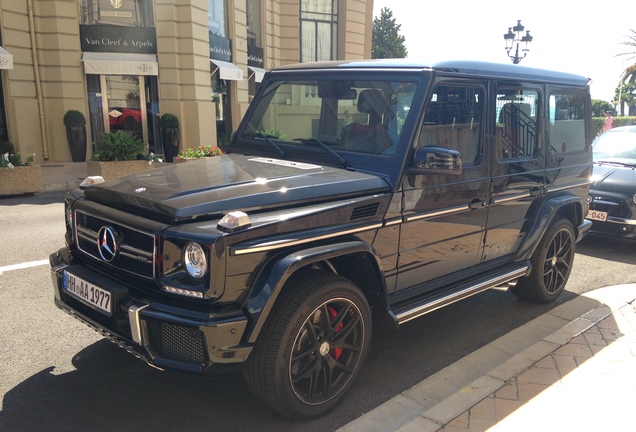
387,42
627,82
598,106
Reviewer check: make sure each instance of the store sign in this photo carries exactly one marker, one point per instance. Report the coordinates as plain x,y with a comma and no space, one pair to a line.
220,48
119,39
255,56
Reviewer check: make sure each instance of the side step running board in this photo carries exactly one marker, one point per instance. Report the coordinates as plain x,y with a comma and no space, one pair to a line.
431,302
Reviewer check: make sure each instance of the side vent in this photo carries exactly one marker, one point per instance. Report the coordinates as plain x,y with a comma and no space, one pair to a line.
369,210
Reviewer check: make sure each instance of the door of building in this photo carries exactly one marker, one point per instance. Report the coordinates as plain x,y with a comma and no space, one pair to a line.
124,102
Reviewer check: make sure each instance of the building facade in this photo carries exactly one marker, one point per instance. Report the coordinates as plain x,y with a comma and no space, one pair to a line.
124,63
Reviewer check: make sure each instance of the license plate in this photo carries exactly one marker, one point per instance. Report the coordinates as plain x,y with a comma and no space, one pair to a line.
597,215
88,293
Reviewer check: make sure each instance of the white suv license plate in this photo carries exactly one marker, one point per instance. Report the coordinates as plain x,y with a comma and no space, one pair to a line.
88,293
597,215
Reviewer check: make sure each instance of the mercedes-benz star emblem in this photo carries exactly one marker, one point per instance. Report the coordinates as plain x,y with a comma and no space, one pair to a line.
107,243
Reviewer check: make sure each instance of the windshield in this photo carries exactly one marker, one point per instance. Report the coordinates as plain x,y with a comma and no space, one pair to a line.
616,146
333,117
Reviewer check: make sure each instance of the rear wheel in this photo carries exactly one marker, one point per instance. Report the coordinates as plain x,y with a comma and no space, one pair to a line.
312,348
551,265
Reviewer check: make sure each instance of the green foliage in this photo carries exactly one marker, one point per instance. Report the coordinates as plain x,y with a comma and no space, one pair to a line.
119,146
199,152
276,134
10,160
598,106
74,118
386,40
169,121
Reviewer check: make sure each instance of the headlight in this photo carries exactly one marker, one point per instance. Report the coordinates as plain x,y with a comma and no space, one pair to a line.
634,198
195,260
69,216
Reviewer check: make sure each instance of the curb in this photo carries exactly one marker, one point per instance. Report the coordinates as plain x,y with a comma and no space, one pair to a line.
436,401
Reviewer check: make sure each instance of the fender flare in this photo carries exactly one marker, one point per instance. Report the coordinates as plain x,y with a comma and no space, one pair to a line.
543,217
273,276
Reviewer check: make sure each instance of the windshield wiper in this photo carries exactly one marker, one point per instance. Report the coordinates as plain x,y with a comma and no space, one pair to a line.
267,138
328,149
616,163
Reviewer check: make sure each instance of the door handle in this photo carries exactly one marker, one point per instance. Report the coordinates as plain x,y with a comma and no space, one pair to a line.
476,204
535,192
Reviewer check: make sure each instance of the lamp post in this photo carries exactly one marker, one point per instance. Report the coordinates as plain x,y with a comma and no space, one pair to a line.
513,38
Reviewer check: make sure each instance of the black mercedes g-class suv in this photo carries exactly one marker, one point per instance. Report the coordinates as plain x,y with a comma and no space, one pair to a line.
349,187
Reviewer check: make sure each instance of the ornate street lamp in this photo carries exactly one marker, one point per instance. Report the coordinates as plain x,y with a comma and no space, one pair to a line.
513,38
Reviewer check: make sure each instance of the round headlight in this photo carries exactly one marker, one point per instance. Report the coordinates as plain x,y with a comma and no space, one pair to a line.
195,261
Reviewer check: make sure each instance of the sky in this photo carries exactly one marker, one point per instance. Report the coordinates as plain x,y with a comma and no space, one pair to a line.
569,36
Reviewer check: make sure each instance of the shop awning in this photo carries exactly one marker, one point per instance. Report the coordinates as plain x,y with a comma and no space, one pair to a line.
6,59
120,64
257,72
227,71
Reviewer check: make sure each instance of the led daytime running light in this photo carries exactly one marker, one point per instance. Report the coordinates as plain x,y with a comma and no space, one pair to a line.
182,292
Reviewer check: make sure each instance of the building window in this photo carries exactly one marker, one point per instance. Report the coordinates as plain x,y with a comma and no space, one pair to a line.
217,19
318,30
133,13
254,22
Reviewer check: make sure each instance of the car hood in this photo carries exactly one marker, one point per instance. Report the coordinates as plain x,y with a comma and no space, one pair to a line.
210,187
614,179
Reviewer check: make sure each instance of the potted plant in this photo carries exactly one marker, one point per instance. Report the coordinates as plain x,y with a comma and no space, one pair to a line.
120,154
17,177
199,152
76,134
170,135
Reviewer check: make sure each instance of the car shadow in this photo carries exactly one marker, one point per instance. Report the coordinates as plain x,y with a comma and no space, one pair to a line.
111,390
611,249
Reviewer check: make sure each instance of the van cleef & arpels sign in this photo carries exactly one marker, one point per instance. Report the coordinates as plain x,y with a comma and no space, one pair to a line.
118,39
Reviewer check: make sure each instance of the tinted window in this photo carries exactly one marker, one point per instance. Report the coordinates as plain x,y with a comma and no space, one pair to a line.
567,122
453,120
516,131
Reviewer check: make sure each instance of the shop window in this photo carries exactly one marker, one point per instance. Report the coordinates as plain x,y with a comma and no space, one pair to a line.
134,13
254,23
217,18
318,30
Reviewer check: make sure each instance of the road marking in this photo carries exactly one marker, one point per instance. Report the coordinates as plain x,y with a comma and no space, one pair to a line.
23,265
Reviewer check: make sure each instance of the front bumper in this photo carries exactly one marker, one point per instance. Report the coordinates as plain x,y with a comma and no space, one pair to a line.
615,227
163,335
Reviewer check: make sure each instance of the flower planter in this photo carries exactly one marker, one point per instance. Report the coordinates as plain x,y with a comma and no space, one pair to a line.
115,169
20,180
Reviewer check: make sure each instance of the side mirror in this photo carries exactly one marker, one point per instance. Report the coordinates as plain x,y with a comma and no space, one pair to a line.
436,160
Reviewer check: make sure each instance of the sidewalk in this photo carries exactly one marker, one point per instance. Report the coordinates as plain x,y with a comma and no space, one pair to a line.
573,368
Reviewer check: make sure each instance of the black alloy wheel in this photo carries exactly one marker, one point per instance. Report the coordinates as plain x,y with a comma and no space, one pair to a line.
551,265
311,350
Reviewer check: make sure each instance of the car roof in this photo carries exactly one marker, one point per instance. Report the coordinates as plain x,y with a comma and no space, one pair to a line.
463,67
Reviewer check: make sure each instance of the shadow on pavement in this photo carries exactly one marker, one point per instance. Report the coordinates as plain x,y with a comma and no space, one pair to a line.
36,199
111,390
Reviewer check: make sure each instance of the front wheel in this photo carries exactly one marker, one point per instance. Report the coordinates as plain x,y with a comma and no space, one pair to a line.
312,348
551,265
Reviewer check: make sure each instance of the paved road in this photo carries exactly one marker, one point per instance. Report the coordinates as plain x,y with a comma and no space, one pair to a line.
58,375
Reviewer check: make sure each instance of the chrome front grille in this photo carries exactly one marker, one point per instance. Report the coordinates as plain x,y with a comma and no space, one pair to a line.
135,249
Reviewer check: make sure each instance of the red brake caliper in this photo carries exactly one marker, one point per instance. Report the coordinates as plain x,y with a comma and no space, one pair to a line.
335,352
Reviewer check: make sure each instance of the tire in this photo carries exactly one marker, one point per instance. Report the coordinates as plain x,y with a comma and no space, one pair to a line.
312,347
551,265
